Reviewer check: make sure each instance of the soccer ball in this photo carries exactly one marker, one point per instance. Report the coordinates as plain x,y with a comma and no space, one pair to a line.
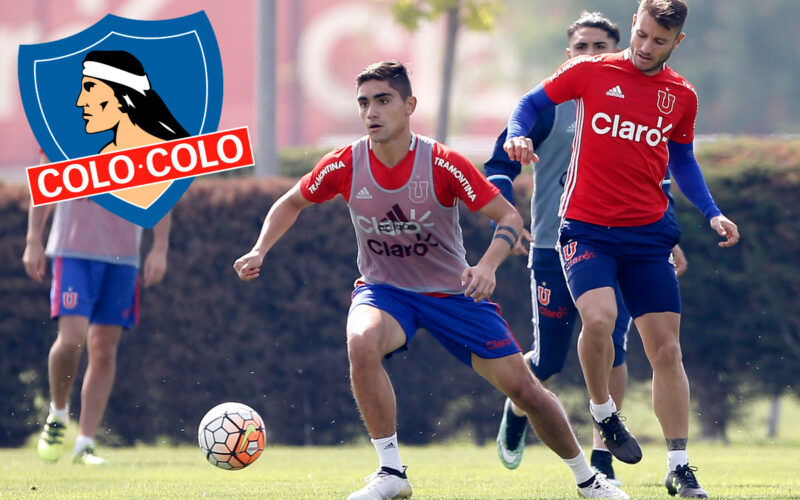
231,436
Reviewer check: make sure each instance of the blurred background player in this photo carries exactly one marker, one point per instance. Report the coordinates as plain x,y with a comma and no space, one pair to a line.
636,118
554,312
95,253
402,190
94,295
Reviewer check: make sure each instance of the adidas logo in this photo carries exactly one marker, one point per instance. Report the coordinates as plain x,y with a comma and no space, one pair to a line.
363,194
616,92
389,446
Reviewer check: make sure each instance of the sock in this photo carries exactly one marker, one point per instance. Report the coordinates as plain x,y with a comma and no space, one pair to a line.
676,458
388,454
600,455
82,442
602,411
61,414
515,425
580,469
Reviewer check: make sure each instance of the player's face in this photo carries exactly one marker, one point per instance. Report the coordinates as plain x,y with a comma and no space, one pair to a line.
651,43
384,113
590,41
100,106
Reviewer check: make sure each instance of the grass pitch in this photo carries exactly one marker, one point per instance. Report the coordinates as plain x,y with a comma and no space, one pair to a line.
447,471
752,466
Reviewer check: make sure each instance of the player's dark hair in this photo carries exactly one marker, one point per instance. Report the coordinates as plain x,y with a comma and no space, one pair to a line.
389,71
147,110
669,14
594,20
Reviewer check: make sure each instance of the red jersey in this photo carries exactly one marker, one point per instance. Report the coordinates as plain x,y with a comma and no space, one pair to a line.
624,120
454,177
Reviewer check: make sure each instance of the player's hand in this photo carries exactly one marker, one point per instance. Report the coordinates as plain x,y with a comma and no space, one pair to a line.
520,149
480,282
523,244
727,229
248,266
155,266
679,260
34,260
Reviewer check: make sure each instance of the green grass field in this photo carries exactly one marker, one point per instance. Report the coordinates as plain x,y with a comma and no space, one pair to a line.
454,471
751,466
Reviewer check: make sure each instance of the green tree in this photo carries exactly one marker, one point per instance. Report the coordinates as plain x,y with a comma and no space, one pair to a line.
478,15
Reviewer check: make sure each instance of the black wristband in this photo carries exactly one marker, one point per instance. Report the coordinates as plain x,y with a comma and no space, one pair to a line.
505,237
510,230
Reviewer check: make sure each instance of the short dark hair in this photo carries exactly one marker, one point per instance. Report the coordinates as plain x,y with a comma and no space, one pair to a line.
669,14
594,20
389,71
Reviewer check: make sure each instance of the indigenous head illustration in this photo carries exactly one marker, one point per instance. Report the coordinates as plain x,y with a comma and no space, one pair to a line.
116,95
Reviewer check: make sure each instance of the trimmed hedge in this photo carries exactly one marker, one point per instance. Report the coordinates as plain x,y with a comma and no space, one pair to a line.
278,343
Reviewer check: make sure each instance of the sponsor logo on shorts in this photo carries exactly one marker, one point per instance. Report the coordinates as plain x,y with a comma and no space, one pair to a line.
580,258
560,313
543,294
498,344
69,299
569,249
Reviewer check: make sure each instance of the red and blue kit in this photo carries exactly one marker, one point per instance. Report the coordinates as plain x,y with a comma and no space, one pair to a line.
629,128
95,264
107,294
623,123
410,247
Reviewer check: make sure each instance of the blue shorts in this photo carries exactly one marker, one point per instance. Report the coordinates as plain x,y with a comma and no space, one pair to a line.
461,325
636,257
555,314
107,294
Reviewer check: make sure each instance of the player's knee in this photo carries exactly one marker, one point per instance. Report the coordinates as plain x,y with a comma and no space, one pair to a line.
102,352
667,356
362,349
598,320
528,395
67,344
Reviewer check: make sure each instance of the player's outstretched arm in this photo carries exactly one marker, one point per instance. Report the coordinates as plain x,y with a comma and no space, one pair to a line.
279,219
155,265
480,279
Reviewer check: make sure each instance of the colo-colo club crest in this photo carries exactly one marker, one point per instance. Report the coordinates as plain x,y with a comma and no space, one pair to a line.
127,113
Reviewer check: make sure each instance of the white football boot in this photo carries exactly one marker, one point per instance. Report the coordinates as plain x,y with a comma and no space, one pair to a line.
384,484
601,488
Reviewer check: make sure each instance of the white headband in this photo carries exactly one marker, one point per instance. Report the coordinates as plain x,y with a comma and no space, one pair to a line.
94,69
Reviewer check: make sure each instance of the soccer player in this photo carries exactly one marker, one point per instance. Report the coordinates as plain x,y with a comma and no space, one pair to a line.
402,190
635,119
94,295
95,253
554,312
